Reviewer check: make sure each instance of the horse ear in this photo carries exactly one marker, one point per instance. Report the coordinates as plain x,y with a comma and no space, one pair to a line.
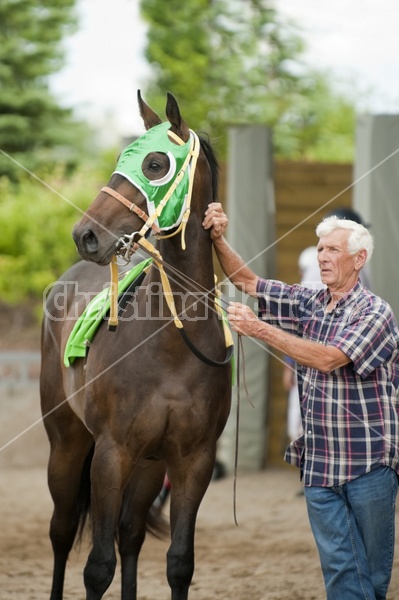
147,114
179,126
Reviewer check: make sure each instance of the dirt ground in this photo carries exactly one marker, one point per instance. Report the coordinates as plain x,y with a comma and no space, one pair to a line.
270,555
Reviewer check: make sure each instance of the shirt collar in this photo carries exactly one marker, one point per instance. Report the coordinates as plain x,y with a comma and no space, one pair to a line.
349,297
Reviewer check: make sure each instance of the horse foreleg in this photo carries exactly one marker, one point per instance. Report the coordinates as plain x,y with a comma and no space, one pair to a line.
108,479
143,488
188,486
180,557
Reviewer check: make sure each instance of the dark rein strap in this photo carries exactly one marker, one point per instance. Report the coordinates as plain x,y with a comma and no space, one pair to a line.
230,350
206,359
123,300
240,353
190,344
126,296
128,293
239,348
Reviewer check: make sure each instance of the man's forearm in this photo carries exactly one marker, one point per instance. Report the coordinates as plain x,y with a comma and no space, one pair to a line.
304,352
234,267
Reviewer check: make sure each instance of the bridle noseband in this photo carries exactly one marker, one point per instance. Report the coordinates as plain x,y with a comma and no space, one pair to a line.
131,206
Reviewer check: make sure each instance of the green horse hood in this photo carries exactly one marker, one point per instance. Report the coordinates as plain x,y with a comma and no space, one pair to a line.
130,163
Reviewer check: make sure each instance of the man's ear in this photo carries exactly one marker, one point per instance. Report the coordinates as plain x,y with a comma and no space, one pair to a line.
361,258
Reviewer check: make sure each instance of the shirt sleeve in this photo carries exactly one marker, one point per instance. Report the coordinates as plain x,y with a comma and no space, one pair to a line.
369,341
281,304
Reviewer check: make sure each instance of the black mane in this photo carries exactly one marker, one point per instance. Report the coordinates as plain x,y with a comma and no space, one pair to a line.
213,163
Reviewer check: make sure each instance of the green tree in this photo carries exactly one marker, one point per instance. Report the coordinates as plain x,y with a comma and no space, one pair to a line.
34,129
36,222
236,61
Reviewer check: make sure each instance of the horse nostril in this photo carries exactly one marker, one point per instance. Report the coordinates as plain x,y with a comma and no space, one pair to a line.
89,241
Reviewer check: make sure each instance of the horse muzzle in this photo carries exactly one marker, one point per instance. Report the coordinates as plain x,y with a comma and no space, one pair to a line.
91,246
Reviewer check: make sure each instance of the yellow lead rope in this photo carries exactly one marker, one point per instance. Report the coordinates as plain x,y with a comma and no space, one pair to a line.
167,290
113,315
227,333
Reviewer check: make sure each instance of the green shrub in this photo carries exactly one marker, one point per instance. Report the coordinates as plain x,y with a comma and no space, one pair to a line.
36,221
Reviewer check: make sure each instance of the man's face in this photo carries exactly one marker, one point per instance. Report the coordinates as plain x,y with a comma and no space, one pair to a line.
338,268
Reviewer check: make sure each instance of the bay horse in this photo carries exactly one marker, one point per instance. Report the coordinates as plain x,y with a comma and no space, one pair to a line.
141,403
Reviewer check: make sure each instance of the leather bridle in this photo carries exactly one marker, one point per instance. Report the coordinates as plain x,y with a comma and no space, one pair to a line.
131,206
149,222
126,242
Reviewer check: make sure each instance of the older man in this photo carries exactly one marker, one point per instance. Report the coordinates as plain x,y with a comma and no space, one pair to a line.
345,341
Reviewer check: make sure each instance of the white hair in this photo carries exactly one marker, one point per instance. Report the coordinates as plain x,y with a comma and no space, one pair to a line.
359,239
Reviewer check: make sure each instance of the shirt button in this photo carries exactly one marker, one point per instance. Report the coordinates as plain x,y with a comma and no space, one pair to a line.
309,431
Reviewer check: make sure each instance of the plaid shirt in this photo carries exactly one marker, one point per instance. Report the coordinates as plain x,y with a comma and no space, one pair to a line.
350,416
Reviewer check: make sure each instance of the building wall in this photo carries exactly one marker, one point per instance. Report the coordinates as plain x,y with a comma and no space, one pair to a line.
305,193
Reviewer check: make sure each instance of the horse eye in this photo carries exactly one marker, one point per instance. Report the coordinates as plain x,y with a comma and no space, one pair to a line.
155,165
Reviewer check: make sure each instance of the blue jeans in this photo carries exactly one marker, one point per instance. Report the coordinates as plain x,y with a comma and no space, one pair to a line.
354,529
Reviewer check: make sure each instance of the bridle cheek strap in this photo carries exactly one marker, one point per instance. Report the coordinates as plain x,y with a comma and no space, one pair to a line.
191,160
131,206
164,279
113,317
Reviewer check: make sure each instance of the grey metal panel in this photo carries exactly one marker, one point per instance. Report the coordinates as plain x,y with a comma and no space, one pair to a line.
376,198
251,211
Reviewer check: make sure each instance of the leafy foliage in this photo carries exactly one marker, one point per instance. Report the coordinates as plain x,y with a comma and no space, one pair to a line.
36,221
42,187
34,129
233,62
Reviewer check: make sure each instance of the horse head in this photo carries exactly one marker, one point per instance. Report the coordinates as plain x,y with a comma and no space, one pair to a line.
152,179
